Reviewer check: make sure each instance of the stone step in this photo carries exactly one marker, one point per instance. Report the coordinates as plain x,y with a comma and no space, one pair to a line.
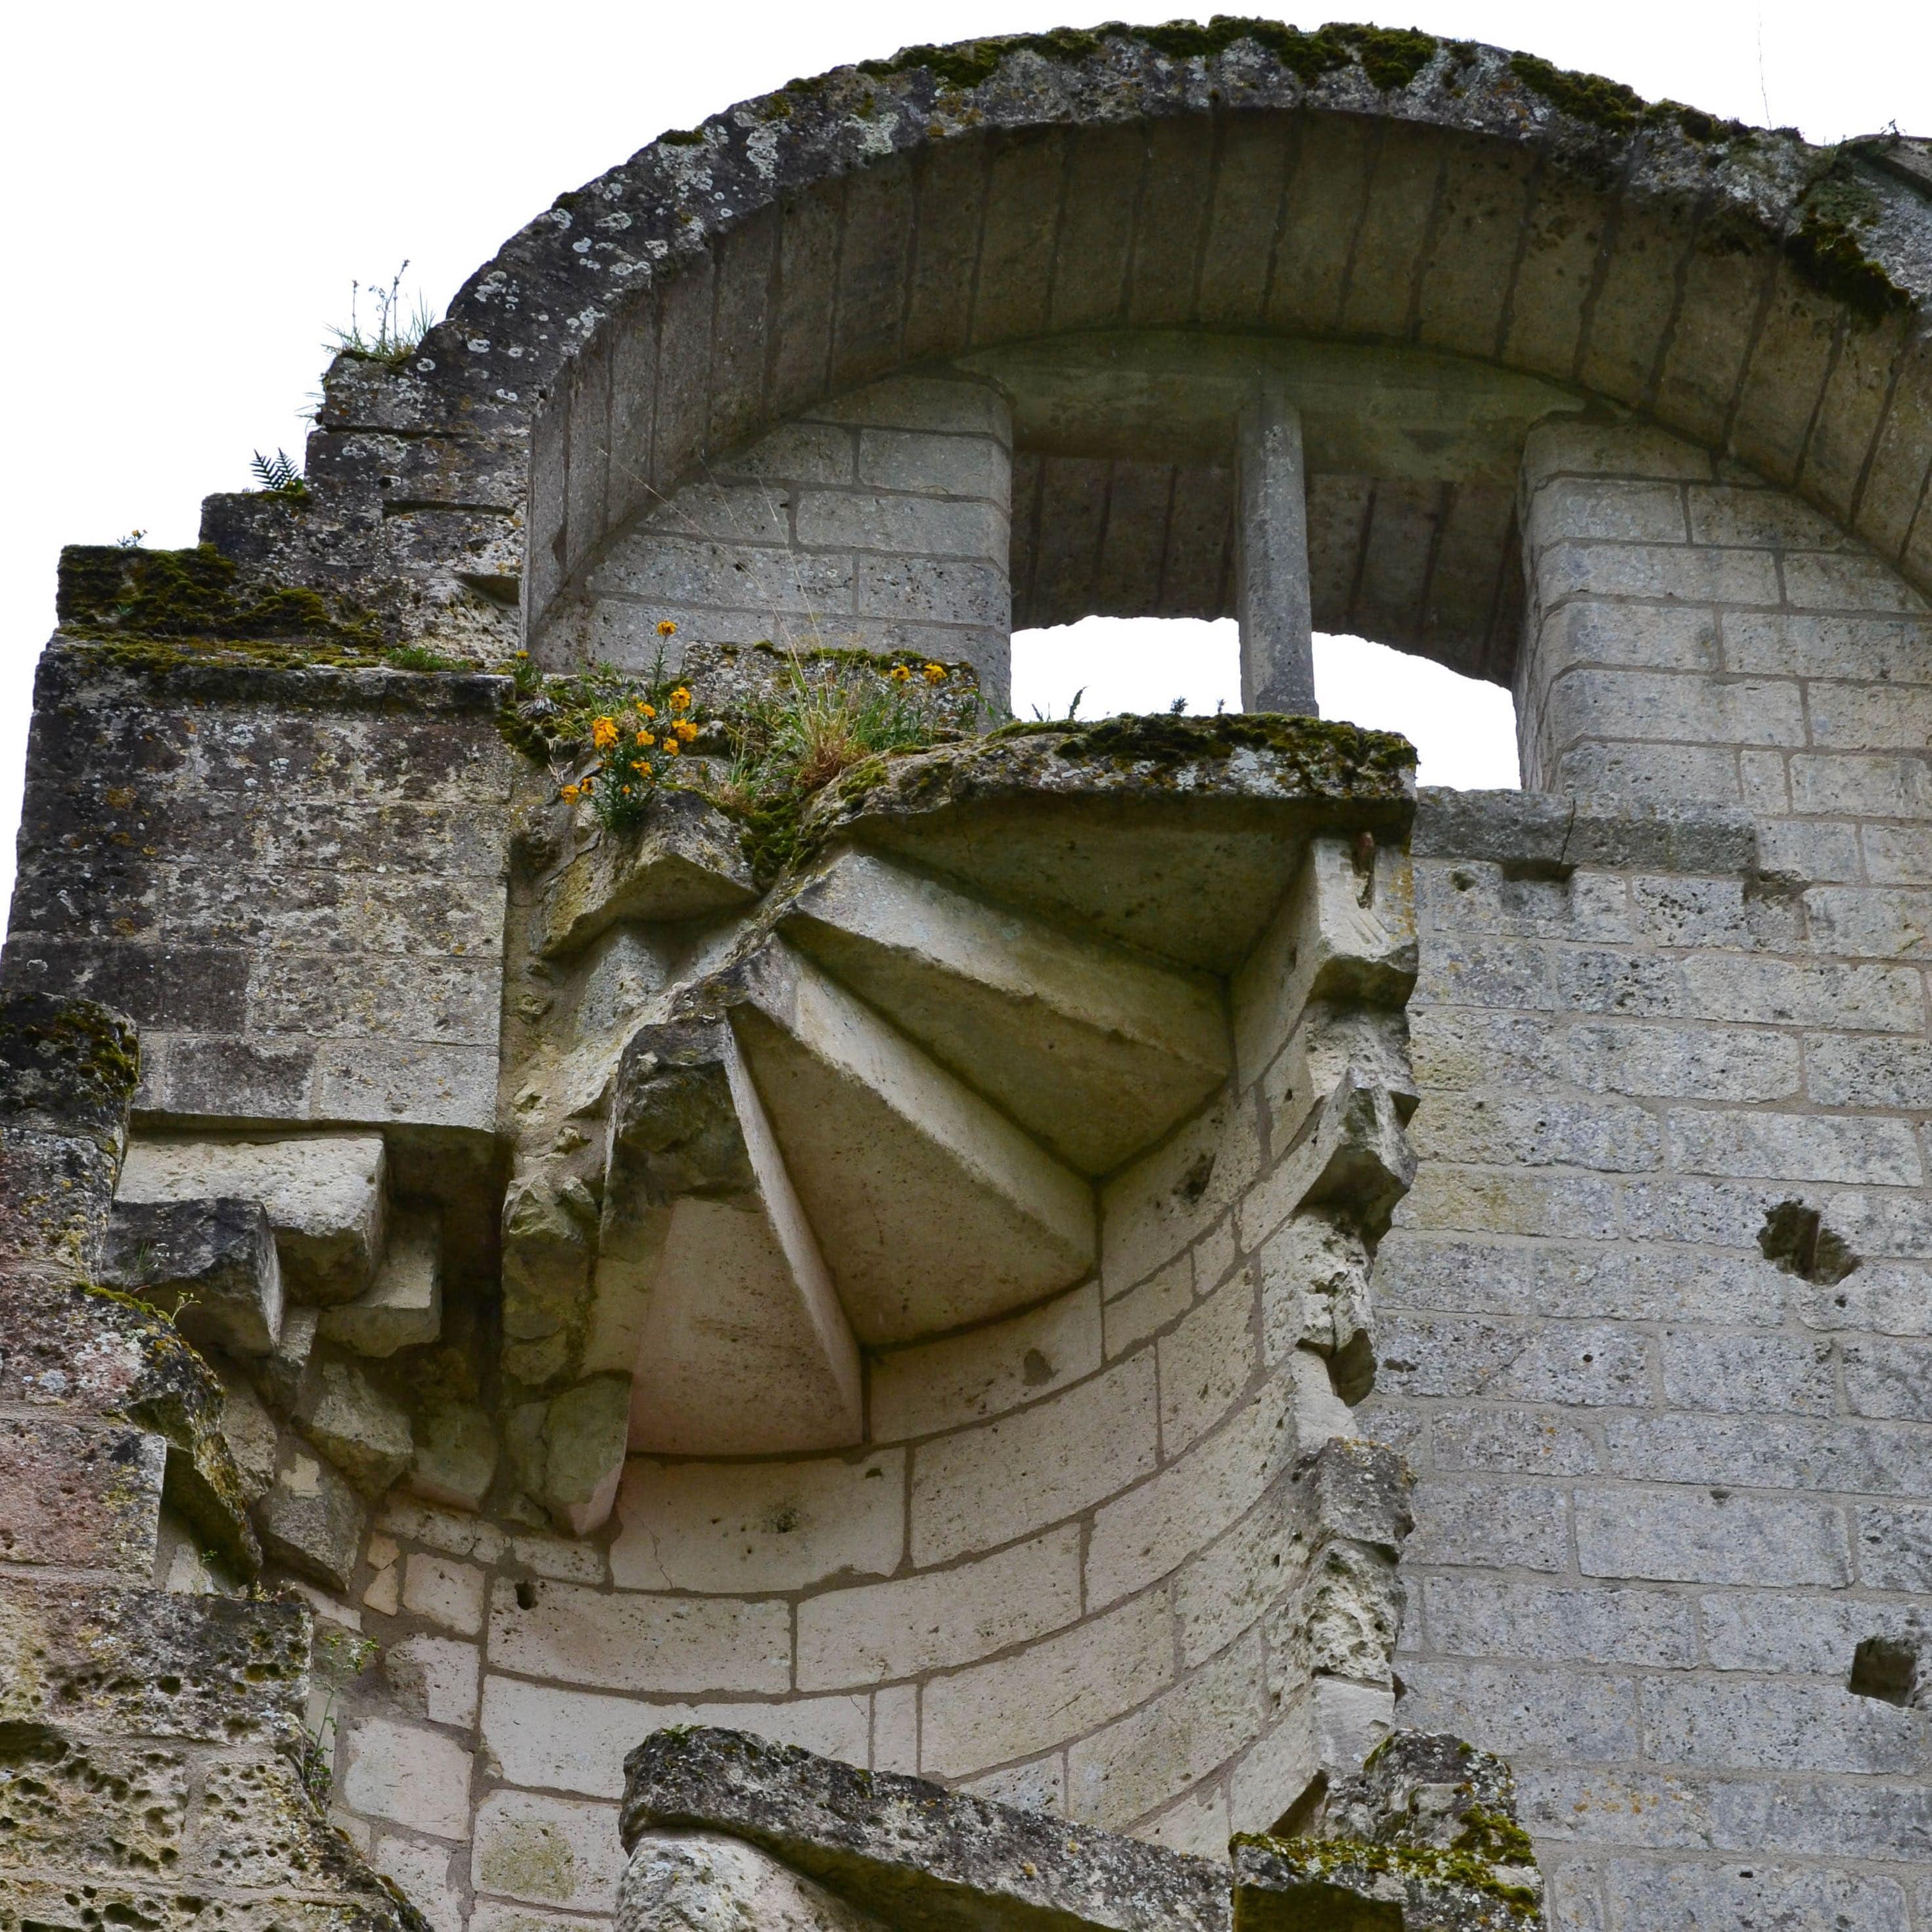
709,1285
1096,1050
403,1306
932,1209
210,1264
324,1193
686,863
1178,836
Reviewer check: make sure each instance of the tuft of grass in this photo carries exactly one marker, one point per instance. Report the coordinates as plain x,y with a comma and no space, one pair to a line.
826,720
394,335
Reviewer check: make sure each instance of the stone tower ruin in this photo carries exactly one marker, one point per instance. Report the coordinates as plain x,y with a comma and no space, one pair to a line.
658,1271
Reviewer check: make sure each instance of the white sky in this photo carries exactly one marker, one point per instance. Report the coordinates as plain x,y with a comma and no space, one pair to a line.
189,190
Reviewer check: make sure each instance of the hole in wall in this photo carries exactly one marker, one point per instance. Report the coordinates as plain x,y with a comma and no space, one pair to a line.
1886,1668
1795,1238
1463,728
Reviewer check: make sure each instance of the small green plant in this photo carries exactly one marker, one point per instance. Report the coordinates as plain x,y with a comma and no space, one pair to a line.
315,1755
822,723
277,476
132,540
393,336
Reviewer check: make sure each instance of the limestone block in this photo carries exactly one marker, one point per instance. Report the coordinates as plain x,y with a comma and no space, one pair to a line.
1342,1622
568,1453
703,1882
631,1641
1094,1050
547,1851
948,1617
211,1264
932,1208
364,1432
1314,1276
1325,1733
547,1259
741,1345
435,1677
686,862
408,1775
402,1307
749,1528
279,1376
323,1192
988,1714
251,1432
455,1457
905,1849
1345,930
445,1591
311,1519
82,1495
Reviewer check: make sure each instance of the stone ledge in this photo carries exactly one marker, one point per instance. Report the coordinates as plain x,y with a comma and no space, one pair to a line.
1550,832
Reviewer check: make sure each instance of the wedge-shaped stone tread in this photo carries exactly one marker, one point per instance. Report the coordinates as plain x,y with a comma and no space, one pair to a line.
932,1209
1178,836
685,863
1096,1050
743,1347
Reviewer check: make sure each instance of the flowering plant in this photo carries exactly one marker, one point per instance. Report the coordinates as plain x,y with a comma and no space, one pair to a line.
638,744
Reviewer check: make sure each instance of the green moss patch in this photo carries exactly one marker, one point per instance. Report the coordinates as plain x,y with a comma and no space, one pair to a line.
1829,255
107,591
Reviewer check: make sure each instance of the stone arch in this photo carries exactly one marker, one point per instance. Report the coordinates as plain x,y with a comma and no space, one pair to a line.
1746,292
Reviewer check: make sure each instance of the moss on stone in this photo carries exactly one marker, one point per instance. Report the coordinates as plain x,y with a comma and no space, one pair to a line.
107,592
1827,253
1329,1858
1323,749
1583,97
1391,57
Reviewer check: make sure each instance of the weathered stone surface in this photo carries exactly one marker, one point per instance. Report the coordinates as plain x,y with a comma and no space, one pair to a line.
311,1519
211,1264
324,1195
697,1881
455,1459
402,1307
906,1852
365,1432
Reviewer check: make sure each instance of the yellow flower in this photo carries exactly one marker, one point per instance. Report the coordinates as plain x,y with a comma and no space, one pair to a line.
679,699
672,748
685,730
638,765
604,733
646,710
645,739
573,792
666,629
901,673
934,673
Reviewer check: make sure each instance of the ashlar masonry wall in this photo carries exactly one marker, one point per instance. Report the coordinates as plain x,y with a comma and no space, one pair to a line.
877,521
1116,1555
1667,1485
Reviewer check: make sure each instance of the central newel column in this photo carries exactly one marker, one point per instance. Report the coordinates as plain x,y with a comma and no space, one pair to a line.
1272,594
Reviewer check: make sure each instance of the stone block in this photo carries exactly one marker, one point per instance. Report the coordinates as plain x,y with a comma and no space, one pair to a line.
323,1192
363,1431
547,1851
408,1775
1482,1616
1206,1362
1697,1537
1133,1766
445,1591
953,1616
79,1495
929,1387
751,1528
989,1713
211,1264
455,1459
436,1678
311,1519
635,1642
402,1307
682,1879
